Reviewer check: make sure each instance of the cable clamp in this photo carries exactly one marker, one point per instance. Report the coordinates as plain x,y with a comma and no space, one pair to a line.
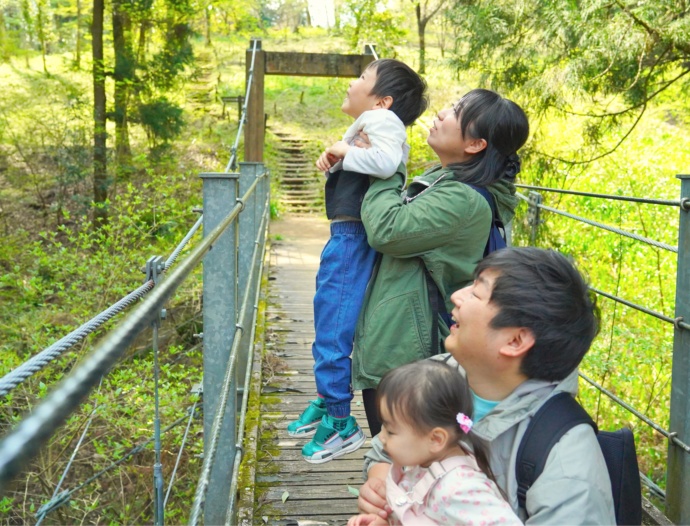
238,200
677,322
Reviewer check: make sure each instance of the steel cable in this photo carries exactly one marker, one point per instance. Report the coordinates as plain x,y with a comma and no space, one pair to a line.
232,164
38,362
230,518
665,202
603,226
219,416
23,442
63,497
671,436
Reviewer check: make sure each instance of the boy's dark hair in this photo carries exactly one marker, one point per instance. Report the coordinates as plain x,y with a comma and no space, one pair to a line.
542,291
429,394
484,114
398,80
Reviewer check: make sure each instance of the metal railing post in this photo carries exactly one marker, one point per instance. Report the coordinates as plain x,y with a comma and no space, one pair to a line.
247,237
533,218
220,308
678,466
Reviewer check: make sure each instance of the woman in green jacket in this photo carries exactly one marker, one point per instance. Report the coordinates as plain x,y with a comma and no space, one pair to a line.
439,224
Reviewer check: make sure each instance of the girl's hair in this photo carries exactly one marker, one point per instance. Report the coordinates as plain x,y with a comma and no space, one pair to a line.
484,114
429,394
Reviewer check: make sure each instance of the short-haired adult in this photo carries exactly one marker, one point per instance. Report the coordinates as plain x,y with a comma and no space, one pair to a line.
441,225
520,331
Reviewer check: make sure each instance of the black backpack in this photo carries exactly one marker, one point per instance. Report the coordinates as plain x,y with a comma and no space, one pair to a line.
558,415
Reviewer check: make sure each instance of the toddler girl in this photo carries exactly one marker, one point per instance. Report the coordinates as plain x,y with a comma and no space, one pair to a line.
440,472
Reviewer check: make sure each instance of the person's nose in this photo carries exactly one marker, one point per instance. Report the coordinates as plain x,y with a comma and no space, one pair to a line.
459,296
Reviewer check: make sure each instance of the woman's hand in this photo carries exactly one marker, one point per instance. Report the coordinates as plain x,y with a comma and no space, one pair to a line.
368,519
362,140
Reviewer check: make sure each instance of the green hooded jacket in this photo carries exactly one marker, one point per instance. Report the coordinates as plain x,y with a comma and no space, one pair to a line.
440,223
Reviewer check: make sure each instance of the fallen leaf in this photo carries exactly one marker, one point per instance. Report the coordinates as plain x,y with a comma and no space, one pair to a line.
285,496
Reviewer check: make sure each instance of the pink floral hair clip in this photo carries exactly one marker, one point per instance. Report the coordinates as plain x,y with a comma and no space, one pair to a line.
464,421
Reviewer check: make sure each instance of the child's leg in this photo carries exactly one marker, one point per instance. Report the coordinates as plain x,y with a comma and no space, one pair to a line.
346,264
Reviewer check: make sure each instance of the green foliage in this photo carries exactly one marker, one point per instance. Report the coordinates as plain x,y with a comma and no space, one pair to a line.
603,61
372,25
162,120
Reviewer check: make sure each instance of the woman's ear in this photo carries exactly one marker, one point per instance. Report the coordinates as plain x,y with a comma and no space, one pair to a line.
384,103
438,439
475,146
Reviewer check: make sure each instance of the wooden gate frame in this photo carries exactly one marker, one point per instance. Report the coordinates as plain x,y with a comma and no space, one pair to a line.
287,63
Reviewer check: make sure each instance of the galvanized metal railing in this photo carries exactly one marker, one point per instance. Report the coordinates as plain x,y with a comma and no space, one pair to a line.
678,465
238,238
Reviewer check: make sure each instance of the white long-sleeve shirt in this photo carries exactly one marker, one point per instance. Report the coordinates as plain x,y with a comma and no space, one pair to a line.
388,140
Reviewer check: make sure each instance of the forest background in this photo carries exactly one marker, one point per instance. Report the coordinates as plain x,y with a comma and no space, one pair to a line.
111,109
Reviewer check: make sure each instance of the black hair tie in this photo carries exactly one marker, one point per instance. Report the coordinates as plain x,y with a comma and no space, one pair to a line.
512,166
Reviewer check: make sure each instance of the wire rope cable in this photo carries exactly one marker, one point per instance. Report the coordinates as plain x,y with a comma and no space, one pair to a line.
63,497
30,434
230,518
631,409
210,452
603,226
232,164
179,454
630,199
38,362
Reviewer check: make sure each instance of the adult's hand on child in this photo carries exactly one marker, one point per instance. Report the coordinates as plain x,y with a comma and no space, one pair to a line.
362,140
372,494
368,519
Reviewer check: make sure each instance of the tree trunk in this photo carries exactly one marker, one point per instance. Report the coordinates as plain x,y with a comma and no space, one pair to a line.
41,31
207,18
77,50
100,175
421,26
124,68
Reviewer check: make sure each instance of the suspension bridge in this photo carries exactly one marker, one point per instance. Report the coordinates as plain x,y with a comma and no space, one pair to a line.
257,333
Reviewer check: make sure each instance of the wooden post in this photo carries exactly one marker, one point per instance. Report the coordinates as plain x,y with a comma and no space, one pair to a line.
255,126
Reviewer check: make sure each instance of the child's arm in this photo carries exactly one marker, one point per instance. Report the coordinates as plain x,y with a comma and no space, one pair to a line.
387,135
367,520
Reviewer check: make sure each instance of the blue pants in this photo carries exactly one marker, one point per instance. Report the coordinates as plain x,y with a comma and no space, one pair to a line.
346,264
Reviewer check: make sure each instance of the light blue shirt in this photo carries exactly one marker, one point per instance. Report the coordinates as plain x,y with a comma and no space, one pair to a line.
482,407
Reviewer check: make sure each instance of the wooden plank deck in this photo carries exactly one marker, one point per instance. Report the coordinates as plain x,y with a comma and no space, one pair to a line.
316,494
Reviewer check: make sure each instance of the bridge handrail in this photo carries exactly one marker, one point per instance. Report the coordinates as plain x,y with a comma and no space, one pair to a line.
33,431
210,451
232,163
677,435
604,226
37,362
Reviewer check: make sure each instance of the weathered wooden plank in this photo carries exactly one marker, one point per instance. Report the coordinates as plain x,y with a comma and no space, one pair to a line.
341,465
328,491
316,479
305,508
316,64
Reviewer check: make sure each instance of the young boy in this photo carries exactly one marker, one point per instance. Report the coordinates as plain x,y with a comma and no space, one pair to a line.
385,99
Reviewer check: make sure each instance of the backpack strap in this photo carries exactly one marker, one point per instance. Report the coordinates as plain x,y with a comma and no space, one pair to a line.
436,300
555,418
492,244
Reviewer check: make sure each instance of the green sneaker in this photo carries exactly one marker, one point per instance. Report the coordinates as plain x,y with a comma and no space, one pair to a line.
328,443
306,424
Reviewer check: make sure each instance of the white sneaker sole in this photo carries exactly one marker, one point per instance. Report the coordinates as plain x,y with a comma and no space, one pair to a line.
337,454
307,433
